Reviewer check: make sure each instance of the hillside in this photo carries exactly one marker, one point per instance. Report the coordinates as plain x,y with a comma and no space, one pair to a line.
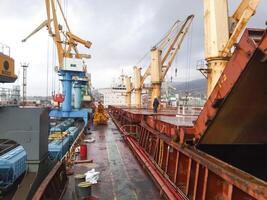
194,87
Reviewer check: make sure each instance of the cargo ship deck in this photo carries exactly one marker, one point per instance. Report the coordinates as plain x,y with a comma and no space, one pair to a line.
121,176
168,115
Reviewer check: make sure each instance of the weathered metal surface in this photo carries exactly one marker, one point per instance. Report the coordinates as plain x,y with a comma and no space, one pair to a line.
236,109
175,127
29,128
24,187
54,184
145,111
56,179
186,171
7,145
166,188
121,176
178,120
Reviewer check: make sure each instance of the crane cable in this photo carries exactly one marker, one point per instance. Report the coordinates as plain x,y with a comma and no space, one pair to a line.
54,66
178,22
142,58
162,39
188,70
47,67
65,28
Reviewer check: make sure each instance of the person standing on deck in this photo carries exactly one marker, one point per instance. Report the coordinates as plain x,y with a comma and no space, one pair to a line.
155,105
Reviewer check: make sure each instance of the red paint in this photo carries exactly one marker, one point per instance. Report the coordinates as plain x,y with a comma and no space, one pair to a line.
184,170
166,187
59,98
234,68
83,151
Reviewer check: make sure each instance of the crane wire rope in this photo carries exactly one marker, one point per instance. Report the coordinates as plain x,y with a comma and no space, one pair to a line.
54,67
64,15
47,67
178,24
188,67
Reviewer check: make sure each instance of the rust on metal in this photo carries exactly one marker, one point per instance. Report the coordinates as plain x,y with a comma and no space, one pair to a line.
54,184
190,173
230,118
236,109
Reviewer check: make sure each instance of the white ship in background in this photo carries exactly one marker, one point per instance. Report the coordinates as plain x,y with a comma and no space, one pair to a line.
171,94
114,95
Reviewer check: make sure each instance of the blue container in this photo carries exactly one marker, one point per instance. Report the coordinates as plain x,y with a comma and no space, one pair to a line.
58,148
55,129
73,132
63,126
12,166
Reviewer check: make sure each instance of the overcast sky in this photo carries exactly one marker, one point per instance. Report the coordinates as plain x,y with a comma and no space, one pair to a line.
122,31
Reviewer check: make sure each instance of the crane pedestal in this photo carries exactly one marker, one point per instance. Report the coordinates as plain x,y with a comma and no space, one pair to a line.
138,97
66,111
77,95
215,69
155,92
128,99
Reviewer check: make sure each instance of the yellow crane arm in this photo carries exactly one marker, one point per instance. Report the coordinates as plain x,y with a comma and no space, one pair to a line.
64,48
56,35
167,38
240,19
162,45
45,23
175,46
73,41
146,74
47,5
87,44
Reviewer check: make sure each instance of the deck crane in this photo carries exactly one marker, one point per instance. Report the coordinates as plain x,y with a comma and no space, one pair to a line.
66,48
71,65
162,57
129,88
221,33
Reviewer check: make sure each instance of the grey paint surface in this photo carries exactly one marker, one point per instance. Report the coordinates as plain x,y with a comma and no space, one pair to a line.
28,127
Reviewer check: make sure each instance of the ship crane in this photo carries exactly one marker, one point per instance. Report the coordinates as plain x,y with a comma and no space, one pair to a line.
221,33
66,48
162,56
71,67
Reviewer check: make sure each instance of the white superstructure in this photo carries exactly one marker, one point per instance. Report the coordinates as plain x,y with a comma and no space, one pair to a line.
115,95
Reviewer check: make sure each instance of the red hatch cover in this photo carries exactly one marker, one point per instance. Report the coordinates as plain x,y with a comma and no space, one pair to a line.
236,111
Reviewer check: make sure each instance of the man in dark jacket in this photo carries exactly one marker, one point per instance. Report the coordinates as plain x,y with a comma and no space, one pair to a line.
155,105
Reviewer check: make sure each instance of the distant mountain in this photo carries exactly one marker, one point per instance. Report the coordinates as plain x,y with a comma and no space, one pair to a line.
194,87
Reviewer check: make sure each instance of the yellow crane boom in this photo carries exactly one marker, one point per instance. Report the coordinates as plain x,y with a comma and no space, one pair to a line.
162,57
66,48
239,20
222,32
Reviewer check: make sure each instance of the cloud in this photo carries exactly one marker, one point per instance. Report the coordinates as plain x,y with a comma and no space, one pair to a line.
122,31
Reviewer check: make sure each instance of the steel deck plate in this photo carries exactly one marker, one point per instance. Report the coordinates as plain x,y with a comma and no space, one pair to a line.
121,176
